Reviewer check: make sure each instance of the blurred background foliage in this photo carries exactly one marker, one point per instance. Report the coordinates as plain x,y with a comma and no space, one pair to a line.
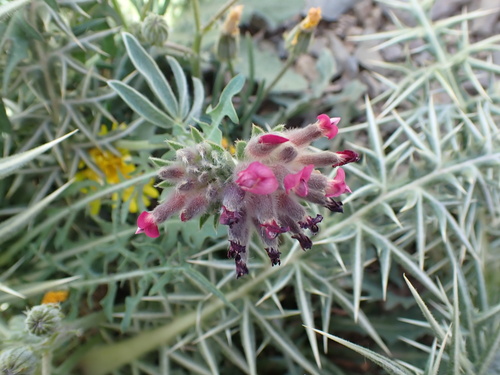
407,276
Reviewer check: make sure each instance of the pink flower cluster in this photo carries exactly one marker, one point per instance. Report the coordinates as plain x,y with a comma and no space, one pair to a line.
262,192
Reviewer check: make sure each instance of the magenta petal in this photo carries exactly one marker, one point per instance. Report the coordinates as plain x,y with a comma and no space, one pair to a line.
337,186
152,231
328,125
323,119
265,186
306,172
298,181
272,139
144,219
257,178
146,224
290,181
346,156
301,189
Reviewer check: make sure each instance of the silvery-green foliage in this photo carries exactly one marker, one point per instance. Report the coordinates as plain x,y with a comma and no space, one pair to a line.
411,265
424,204
177,108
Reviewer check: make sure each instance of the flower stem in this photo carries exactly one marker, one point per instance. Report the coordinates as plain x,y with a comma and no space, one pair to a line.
260,98
196,59
280,75
47,362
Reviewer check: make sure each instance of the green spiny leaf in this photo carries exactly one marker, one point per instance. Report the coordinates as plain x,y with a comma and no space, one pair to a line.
225,106
196,135
175,145
240,149
389,365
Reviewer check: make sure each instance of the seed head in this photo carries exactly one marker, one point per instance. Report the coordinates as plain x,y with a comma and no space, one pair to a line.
43,320
17,361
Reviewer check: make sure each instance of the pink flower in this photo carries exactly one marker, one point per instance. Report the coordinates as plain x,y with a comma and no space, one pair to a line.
257,178
146,224
337,186
328,125
272,139
298,181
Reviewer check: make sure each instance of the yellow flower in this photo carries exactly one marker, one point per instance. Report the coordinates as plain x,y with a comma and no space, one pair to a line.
297,41
228,146
312,19
232,21
112,169
55,296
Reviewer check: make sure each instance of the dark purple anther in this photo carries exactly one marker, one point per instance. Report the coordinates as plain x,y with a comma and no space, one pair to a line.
334,206
234,249
305,242
229,217
274,255
311,223
241,266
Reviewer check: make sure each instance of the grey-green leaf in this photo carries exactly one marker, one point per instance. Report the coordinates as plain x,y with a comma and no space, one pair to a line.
140,104
16,223
9,164
152,73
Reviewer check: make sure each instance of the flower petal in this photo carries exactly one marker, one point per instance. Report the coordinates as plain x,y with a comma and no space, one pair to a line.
328,125
337,186
257,178
272,139
298,181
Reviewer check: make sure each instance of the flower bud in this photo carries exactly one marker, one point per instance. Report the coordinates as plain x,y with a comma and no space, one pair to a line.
287,154
304,136
17,361
172,173
317,181
166,209
299,39
43,320
155,29
320,159
195,207
186,155
259,149
228,43
345,157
